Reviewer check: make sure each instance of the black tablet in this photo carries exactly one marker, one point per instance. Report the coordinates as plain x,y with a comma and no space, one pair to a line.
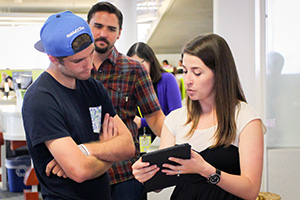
161,180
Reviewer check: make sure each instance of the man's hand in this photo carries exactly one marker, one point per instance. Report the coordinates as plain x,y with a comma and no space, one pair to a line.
109,128
55,168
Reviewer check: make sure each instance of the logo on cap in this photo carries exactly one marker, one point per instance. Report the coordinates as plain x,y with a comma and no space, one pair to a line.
75,31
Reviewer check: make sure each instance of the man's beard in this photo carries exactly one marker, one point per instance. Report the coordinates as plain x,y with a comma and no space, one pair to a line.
99,49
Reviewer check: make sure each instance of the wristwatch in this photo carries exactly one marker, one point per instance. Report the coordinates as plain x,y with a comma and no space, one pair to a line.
214,178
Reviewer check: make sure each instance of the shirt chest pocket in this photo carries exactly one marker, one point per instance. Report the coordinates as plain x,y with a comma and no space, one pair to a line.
121,94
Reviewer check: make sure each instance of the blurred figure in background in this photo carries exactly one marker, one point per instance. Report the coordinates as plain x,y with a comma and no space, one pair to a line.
164,83
6,84
167,66
179,68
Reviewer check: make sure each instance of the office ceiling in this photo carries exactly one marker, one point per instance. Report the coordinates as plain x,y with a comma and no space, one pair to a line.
183,19
45,6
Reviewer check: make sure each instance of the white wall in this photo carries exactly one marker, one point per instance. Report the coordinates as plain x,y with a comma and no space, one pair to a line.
283,172
129,32
17,51
234,20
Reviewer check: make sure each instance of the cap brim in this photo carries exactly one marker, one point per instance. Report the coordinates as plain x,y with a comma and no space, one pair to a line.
39,46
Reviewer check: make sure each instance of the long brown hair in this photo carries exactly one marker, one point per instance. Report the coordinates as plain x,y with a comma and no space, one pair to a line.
145,52
215,53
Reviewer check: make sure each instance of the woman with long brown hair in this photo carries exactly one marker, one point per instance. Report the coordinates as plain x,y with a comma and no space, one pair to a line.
226,133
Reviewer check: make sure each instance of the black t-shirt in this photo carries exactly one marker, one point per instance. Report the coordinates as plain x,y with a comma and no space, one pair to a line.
52,111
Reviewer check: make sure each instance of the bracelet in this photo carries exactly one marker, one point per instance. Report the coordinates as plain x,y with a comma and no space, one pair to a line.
84,150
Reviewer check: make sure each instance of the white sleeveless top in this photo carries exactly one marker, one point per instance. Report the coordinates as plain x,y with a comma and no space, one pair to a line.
202,139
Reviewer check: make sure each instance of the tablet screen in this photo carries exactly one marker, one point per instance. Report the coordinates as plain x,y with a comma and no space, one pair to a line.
161,180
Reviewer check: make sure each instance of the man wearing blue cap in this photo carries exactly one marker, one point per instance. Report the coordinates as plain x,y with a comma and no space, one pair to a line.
63,111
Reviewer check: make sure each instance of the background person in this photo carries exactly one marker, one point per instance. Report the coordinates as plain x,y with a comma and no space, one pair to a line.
164,83
179,68
7,84
62,114
168,67
226,134
129,86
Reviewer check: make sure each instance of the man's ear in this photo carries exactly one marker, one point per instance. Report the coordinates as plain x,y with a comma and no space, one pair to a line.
119,33
53,59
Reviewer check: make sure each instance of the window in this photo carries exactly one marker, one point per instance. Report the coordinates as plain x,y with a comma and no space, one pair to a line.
283,74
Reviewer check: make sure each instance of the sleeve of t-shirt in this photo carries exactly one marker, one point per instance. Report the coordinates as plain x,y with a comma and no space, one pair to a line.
43,117
144,123
245,115
169,93
173,96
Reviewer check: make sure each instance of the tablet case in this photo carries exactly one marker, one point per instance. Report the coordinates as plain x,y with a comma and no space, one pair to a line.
161,180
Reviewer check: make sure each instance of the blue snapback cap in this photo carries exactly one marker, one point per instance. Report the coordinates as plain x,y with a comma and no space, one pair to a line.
58,33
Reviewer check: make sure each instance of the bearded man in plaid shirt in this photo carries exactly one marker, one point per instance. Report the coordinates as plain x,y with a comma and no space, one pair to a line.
129,86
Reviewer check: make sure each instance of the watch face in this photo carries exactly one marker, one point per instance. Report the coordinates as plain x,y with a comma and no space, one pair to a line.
214,179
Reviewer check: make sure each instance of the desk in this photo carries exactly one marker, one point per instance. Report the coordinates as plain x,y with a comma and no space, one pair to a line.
12,128
8,102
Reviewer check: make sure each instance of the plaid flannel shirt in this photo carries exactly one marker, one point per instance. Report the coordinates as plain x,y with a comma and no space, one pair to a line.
129,86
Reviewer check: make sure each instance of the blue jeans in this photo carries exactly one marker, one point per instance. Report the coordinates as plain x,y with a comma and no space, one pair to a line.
128,190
